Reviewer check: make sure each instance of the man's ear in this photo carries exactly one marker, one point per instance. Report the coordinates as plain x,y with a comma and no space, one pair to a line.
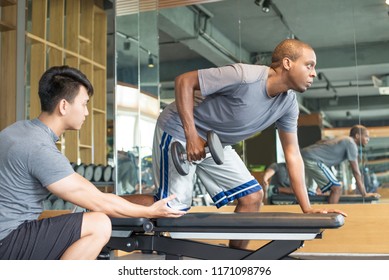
287,63
63,106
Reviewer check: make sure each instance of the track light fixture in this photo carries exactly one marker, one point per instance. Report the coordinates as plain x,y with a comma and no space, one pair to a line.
265,4
126,45
150,63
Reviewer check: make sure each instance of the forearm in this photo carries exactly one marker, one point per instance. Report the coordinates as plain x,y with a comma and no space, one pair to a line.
359,183
79,191
358,178
184,97
117,207
267,176
297,180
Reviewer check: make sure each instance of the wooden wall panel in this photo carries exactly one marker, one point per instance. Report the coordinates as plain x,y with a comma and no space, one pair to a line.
8,66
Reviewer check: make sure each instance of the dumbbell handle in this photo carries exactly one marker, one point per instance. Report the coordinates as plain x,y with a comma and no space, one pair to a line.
207,154
180,156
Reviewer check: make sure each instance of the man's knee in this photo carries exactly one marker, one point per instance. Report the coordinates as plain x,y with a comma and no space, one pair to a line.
97,224
253,199
336,189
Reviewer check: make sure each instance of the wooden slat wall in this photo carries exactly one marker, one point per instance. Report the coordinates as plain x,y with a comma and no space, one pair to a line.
8,67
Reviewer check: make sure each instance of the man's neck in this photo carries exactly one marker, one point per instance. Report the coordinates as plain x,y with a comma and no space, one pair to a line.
52,122
275,84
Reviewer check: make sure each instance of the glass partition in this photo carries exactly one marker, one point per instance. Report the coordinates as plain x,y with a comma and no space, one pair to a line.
373,78
184,38
136,96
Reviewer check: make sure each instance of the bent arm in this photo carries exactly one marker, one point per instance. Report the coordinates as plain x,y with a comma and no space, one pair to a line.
358,178
269,173
185,85
79,191
295,165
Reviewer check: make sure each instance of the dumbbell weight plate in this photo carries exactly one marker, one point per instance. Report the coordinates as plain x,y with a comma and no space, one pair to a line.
74,165
98,173
89,172
215,147
113,174
107,173
181,164
80,169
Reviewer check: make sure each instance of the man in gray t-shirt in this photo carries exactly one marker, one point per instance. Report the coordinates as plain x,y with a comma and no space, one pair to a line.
235,101
31,167
321,156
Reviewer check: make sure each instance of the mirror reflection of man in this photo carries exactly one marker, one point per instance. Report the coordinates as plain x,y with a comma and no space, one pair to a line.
276,181
319,157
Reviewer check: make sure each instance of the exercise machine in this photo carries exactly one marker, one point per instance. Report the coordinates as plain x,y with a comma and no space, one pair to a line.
180,237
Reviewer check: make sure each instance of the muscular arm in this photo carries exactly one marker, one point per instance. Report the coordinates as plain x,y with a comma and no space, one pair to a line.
77,190
295,167
185,85
358,178
269,172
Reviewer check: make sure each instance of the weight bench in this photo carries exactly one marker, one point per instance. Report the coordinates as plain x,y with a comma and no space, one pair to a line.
178,237
287,199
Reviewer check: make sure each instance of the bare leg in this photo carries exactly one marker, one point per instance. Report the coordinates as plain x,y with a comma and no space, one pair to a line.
95,233
249,203
142,199
334,195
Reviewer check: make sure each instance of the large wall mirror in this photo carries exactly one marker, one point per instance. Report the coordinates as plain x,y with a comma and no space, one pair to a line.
350,38
136,98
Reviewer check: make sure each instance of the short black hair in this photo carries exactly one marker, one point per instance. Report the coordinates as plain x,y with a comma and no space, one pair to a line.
61,82
291,48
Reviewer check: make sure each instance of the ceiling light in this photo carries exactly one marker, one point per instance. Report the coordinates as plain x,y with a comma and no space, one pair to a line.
266,6
150,63
387,2
126,45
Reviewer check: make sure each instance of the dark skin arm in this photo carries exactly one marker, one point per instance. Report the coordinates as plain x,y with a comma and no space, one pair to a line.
269,173
358,179
185,85
296,172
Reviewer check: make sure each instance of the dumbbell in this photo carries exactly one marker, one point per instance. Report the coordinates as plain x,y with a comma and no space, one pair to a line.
180,159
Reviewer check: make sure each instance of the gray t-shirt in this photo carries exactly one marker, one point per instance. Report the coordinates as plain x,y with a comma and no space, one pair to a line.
235,105
29,162
281,175
333,151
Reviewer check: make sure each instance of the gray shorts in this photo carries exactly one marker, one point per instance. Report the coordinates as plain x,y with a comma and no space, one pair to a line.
45,239
322,175
224,183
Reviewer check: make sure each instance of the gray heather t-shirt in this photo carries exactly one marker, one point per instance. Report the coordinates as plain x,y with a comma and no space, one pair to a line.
29,162
281,175
333,151
235,105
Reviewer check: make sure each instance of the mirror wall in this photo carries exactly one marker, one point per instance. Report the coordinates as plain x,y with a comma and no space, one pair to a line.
136,96
373,70
184,38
